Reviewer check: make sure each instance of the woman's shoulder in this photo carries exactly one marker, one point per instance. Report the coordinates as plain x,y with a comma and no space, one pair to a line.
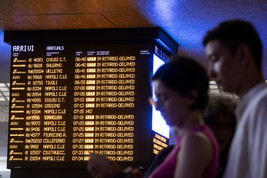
196,139
197,145
196,152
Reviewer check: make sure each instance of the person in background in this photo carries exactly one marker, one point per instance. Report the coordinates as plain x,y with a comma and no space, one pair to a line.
220,117
181,89
234,51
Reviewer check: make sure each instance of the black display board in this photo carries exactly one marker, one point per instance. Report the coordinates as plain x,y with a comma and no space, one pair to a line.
71,97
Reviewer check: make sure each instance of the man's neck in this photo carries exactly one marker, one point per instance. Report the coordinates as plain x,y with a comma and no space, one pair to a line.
249,82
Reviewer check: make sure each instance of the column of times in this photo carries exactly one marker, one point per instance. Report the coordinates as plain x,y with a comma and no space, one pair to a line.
103,84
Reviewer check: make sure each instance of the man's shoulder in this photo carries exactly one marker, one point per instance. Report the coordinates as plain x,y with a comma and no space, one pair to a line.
260,97
256,110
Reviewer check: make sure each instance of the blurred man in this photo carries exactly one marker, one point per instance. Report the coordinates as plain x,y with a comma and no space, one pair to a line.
234,51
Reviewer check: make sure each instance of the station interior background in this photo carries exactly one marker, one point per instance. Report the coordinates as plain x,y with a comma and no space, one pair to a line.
185,21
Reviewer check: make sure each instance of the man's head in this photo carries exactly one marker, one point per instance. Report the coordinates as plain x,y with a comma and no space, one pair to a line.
233,33
231,47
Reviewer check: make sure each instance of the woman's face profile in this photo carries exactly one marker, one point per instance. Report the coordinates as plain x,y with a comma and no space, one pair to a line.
170,103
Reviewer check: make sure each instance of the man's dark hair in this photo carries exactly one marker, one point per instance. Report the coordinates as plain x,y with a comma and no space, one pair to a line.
233,33
183,75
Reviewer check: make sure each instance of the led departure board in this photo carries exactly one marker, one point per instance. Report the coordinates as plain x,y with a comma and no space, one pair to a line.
71,99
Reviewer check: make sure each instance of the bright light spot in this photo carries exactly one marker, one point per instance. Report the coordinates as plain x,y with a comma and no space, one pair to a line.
158,123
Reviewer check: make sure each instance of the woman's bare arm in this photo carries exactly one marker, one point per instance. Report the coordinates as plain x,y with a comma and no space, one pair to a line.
194,156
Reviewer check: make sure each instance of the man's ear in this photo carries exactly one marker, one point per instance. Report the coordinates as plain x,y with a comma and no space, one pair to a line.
244,54
192,97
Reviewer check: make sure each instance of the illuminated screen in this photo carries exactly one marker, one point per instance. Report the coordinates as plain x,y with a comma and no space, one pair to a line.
158,123
68,101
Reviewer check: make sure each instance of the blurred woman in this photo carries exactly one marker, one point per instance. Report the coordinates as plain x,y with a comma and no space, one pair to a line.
181,89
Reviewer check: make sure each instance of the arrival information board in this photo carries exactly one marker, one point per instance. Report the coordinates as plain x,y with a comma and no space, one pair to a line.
68,101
